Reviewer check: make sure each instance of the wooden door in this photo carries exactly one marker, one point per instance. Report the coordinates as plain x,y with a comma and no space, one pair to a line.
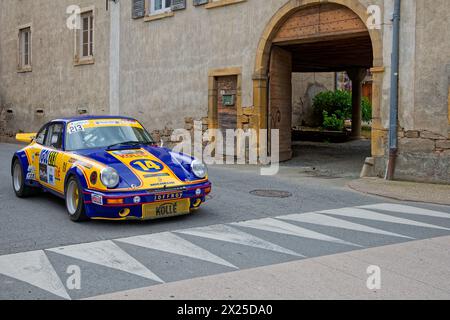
280,99
227,107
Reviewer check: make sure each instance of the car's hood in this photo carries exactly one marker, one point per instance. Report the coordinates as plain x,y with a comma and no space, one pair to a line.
145,168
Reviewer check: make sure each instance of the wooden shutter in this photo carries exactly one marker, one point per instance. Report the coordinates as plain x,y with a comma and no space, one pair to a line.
138,9
200,2
178,5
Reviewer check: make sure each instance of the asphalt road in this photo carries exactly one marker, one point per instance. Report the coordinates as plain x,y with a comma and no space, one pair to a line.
233,231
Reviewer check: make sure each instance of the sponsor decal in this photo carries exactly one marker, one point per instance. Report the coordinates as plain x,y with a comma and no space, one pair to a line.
48,157
97,199
58,174
31,173
51,175
75,127
43,172
127,154
156,175
169,196
162,184
149,166
107,122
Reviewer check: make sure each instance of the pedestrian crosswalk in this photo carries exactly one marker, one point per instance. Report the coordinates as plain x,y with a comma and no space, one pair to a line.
393,222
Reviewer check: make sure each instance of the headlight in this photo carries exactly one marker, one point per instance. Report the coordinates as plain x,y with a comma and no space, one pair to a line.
199,169
110,178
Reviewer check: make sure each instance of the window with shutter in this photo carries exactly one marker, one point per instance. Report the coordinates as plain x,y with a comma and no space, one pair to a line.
138,9
160,6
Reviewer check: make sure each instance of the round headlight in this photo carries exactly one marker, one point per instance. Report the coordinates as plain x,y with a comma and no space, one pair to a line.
110,178
199,169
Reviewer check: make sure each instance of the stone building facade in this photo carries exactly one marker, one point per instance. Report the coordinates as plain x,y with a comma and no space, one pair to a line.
162,62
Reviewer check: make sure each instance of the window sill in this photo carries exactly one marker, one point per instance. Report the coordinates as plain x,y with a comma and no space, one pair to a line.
223,3
24,69
84,61
159,16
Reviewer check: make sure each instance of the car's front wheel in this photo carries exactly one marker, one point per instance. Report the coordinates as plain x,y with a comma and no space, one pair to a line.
74,200
18,181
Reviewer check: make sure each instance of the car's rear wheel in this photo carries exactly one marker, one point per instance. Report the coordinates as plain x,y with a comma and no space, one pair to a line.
74,200
18,181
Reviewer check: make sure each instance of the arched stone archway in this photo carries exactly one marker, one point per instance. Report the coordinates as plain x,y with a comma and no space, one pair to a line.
262,61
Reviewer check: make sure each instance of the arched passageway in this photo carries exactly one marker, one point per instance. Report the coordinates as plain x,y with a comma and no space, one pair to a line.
315,37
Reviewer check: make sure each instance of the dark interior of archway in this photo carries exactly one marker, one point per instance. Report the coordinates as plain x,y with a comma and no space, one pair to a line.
332,55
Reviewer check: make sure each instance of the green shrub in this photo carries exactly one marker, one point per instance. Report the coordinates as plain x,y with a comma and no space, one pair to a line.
338,103
333,122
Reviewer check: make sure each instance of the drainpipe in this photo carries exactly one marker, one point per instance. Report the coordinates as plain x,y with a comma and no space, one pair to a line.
393,119
114,58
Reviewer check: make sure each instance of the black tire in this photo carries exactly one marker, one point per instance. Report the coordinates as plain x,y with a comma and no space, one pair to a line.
76,210
20,189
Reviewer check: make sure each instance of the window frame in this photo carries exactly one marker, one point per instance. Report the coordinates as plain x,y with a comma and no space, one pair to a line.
21,66
44,128
89,16
151,7
79,58
48,144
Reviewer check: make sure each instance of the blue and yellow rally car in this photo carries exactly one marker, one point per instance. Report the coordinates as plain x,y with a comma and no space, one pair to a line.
108,168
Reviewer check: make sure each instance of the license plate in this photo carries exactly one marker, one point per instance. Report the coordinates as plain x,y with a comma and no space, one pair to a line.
160,210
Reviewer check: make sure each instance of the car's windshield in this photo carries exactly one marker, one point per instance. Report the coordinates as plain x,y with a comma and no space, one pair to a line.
104,136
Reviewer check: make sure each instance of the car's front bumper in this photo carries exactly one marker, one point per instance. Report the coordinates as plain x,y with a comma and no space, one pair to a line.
130,205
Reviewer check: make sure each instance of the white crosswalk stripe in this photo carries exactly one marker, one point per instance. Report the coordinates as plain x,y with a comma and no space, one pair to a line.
277,226
393,207
108,254
375,216
232,235
171,243
34,268
324,220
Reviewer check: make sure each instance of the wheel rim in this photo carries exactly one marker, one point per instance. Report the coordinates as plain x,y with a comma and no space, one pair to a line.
72,197
17,177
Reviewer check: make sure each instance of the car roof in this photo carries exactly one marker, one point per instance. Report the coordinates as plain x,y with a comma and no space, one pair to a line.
88,117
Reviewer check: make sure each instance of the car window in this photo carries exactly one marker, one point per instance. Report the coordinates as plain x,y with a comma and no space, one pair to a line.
40,137
101,137
54,136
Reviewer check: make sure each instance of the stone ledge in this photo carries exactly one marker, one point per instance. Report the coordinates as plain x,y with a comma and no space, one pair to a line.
160,16
24,69
223,3
83,62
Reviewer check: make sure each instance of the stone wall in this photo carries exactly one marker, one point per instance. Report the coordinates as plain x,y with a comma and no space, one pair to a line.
55,87
305,86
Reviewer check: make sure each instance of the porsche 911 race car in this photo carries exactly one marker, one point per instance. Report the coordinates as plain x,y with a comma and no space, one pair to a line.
108,168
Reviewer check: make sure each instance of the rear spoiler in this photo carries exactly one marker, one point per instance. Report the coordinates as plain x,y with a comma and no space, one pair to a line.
25,137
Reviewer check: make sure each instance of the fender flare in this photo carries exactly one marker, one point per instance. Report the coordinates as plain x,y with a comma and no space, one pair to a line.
23,159
78,173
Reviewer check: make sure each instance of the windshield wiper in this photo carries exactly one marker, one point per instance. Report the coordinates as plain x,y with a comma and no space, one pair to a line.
126,143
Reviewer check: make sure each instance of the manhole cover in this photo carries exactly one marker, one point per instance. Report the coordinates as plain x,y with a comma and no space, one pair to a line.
271,193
